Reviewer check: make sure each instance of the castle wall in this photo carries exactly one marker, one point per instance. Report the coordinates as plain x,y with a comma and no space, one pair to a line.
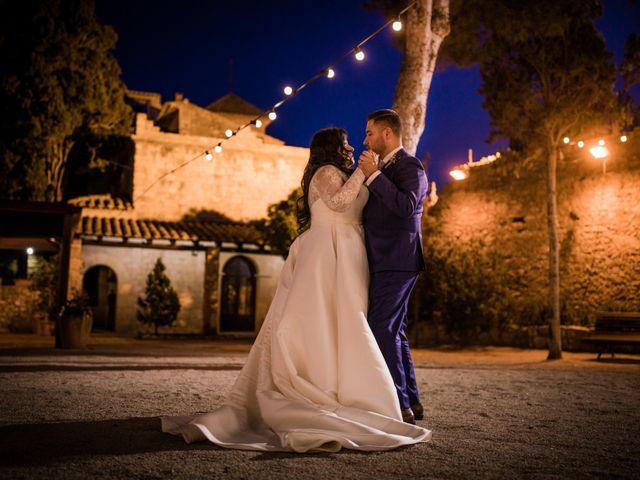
502,209
241,182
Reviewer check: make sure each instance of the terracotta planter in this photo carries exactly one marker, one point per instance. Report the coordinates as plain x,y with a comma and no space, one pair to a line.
75,330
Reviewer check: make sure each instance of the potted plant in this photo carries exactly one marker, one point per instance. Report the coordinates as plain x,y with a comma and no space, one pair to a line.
75,321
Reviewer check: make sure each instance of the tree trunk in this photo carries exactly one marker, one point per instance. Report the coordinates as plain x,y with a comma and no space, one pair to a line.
56,165
555,334
427,24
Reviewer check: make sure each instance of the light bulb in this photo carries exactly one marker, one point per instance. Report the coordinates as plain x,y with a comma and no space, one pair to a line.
397,25
229,133
330,73
359,54
580,144
208,156
217,149
29,251
272,115
623,138
566,139
601,142
288,90
258,123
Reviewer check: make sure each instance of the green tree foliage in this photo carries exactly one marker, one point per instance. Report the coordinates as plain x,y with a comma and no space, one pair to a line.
45,282
281,226
466,291
160,305
630,73
59,83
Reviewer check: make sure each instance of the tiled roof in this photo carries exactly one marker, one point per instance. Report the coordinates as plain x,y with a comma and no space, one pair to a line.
158,230
101,201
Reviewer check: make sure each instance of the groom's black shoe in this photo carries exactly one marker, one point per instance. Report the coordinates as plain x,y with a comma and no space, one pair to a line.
418,411
407,416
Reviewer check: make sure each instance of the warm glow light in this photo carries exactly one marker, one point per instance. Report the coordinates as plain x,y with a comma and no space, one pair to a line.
458,174
229,133
29,251
599,152
359,54
258,123
208,156
623,138
217,149
330,73
272,115
601,142
566,139
397,25
288,90
580,144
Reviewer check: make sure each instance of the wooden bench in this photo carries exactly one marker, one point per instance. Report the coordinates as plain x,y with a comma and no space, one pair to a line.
615,329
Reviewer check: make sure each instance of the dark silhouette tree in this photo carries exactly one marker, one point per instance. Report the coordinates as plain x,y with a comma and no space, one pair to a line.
58,83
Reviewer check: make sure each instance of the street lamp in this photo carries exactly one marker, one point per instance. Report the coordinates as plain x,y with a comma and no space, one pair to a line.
600,151
458,174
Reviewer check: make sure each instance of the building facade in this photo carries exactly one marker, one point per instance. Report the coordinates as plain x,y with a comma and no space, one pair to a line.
196,219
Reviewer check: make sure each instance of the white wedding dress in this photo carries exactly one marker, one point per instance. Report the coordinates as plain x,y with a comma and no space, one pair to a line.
315,378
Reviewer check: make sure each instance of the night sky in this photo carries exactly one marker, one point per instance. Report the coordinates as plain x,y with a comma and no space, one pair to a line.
189,47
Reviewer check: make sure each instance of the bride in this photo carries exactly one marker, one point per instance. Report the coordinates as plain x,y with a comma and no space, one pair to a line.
315,378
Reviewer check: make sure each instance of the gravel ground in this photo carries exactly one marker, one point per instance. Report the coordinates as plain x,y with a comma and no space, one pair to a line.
494,413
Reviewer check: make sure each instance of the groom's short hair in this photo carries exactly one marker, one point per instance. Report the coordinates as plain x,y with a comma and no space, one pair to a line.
389,118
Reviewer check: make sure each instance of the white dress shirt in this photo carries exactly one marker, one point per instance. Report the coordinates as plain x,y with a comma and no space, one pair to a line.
381,165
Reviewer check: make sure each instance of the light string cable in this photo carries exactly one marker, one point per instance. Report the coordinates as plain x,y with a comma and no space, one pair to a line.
290,92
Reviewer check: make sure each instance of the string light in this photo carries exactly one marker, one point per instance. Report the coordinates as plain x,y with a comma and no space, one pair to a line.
580,144
208,156
566,139
623,138
601,142
329,72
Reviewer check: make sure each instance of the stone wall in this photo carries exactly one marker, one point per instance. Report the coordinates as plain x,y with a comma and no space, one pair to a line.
501,209
252,172
131,265
18,304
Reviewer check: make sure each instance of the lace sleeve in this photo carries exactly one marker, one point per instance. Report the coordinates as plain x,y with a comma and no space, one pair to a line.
333,187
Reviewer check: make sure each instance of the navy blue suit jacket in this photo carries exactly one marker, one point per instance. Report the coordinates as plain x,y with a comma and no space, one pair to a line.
392,216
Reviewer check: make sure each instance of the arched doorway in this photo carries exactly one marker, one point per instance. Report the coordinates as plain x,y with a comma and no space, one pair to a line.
238,302
101,285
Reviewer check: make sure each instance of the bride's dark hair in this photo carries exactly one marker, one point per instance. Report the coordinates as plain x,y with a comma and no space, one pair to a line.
324,150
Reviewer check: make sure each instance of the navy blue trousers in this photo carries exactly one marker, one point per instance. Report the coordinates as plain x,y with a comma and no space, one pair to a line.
388,303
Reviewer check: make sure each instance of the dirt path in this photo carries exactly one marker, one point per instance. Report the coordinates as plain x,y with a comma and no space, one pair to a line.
495,413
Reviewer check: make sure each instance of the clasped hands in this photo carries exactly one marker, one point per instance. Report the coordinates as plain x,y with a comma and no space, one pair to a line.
368,162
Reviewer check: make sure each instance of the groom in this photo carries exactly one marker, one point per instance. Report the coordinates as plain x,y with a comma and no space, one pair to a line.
392,222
